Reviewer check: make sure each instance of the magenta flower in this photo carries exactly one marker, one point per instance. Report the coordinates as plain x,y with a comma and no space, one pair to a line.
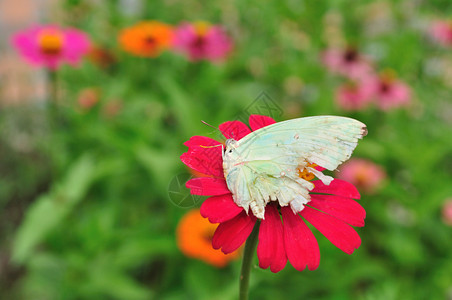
388,91
283,235
353,96
347,62
50,45
441,32
201,40
364,174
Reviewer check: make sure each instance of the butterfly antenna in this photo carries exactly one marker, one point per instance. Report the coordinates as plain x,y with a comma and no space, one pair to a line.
204,122
219,145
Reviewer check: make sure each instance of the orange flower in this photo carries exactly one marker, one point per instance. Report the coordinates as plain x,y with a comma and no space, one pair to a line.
194,238
147,39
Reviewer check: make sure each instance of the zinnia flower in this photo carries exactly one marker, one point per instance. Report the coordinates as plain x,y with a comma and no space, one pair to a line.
201,40
283,235
347,62
353,96
50,45
388,91
194,238
147,39
447,212
441,32
88,97
362,173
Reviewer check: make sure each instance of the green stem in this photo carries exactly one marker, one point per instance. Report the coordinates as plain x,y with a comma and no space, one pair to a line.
53,97
248,255
52,115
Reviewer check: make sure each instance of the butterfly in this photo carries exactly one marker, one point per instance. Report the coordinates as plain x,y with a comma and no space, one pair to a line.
266,164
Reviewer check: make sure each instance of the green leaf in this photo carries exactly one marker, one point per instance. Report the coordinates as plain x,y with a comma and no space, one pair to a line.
117,285
49,210
159,164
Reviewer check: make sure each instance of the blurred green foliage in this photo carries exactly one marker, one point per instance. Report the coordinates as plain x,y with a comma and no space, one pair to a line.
85,206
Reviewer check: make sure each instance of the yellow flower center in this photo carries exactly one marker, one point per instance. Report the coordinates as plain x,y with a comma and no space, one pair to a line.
388,76
202,28
305,174
361,177
50,42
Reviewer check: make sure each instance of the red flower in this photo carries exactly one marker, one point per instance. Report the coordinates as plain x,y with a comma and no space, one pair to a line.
283,235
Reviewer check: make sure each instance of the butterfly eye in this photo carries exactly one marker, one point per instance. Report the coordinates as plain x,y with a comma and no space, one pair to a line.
230,151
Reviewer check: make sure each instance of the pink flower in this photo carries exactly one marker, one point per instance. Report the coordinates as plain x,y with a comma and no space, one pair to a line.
283,235
447,212
388,91
347,62
441,32
50,45
201,40
353,96
364,174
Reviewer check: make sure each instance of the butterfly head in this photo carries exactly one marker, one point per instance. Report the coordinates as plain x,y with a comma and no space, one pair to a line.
230,153
231,146
231,143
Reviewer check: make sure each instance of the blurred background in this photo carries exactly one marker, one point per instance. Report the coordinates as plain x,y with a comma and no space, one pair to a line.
92,188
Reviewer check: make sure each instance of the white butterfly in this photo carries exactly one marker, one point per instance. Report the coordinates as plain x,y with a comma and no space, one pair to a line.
266,164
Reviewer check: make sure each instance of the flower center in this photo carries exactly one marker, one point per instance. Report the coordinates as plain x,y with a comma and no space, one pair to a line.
149,41
351,55
199,42
207,235
51,42
305,174
361,180
384,87
361,177
202,28
385,84
387,78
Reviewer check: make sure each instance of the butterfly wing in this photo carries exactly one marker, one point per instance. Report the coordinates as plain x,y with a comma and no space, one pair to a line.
324,140
266,163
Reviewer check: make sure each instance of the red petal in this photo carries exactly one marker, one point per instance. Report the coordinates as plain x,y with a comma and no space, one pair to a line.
234,129
344,209
270,249
204,160
337,187
231,234
258,121
300,244
207,186
219,209
198,141
337,232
